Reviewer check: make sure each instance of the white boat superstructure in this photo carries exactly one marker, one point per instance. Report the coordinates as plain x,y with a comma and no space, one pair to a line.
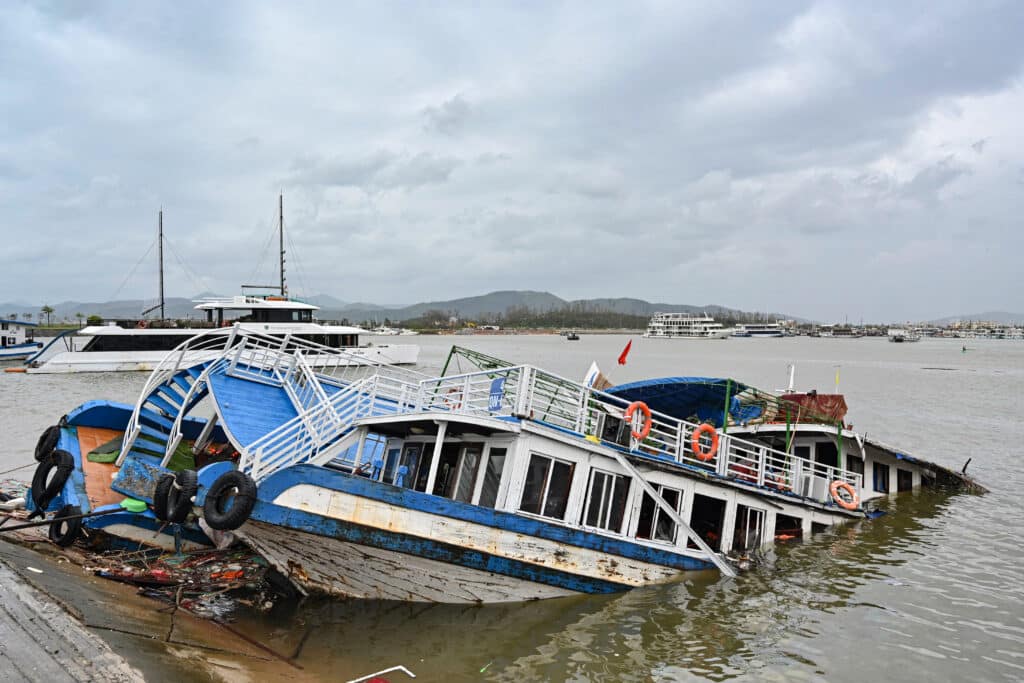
685,326
16,340
760,330
112,348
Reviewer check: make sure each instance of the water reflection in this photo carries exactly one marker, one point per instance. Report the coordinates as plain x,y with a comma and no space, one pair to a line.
768,621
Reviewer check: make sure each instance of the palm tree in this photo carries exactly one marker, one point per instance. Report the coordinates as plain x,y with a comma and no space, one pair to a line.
46,310
79,315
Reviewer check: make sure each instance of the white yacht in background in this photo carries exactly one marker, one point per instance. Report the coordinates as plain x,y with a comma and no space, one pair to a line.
141,345
113,348
685,326
759,330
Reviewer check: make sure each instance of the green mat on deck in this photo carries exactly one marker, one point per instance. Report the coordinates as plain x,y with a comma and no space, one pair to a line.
108,452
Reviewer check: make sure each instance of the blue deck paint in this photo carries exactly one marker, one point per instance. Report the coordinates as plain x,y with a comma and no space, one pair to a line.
249,409
433,550
334,480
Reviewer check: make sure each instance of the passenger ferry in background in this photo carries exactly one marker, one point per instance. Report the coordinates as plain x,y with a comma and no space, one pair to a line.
16,340
113,348
685,326
760,330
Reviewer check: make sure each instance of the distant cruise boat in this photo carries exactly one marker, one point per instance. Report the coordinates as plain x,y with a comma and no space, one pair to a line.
759,330
685,326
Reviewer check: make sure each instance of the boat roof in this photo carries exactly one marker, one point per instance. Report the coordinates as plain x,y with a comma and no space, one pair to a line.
682,397
247,303
19,322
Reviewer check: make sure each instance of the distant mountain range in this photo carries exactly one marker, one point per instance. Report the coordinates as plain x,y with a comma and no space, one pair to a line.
475,307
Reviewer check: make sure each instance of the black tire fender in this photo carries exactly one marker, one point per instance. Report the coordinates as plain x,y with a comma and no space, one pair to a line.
64,531
47,442
45,488
179,495
230,501
160,497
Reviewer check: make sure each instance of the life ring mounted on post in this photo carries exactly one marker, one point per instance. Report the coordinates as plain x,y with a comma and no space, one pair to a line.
850,501
453,398
645,429
698,447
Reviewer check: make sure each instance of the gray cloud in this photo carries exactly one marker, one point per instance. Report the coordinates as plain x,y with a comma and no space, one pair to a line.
814,155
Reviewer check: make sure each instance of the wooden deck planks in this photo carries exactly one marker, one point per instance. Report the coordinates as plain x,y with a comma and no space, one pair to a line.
98,475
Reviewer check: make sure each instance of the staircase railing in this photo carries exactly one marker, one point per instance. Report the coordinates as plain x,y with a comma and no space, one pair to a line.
176,435
307,436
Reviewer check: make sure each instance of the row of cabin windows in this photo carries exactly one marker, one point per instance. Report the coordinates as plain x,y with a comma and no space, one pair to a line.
457,471
546,493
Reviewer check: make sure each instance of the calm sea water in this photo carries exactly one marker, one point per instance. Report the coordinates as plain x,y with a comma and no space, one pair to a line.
932,591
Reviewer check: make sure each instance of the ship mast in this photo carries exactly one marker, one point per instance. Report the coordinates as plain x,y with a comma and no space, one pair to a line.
280,223
160,252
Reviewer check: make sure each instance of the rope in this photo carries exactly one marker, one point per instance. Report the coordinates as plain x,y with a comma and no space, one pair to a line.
197,280
263,253
132,271
20,467
299,269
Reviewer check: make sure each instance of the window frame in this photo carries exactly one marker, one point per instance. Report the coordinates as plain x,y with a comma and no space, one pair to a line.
546,486
608,492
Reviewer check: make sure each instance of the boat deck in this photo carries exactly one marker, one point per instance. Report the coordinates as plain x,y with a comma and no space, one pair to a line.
98,475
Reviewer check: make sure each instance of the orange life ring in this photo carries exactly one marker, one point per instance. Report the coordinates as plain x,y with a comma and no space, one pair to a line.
142,325
646,429
698,449
453,402
850,504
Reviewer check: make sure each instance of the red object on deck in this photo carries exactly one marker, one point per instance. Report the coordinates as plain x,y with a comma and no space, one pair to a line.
625,352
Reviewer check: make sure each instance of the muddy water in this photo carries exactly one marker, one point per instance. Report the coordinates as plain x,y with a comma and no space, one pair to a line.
931,591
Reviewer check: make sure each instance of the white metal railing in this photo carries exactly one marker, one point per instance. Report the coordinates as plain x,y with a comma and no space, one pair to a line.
542,396
308,434
261,357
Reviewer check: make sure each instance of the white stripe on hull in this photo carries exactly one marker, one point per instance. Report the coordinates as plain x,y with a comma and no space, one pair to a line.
494,541
329,565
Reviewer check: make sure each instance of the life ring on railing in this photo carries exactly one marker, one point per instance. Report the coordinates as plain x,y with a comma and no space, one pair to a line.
698,448
453,398
848,502
230,501
628,417
142,324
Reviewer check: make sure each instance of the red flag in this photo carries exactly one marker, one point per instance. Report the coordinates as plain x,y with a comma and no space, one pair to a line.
625,352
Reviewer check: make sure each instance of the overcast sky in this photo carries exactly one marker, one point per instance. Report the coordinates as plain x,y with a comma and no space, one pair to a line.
827,159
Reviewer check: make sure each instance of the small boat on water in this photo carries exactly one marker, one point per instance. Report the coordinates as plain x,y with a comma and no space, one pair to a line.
685,326
572,336
16,340
901,334
504,483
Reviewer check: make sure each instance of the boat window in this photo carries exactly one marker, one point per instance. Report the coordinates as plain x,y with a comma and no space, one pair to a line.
133,342
707,520
409,466
904,480
802,452
391,465
825,454
3,326
855,464
606,500
788,528
546,491
654,523
492,477
456,472
817,528
880,477
748,534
